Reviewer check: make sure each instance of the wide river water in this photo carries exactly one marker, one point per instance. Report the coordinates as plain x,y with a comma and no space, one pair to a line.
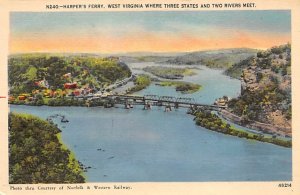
139,145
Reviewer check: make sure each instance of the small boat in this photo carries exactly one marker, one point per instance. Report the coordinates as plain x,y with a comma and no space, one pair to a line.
63,120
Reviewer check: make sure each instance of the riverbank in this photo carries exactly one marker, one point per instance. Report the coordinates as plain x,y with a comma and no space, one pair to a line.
64,101
212,122
263,127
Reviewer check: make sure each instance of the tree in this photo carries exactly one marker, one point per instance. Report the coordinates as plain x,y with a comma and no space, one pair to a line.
36,155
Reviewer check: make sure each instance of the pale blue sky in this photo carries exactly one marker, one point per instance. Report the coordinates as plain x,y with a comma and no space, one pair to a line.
198,25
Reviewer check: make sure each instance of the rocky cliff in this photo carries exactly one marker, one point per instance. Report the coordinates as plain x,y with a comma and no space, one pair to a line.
266,88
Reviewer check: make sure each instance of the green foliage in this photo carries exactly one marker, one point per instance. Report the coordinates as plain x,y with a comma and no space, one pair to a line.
38,100
183,87
169,72
252,104
264,60
211,121
141,82
259,76
289,113
66,102
24,70
36,155
284,71
31,73
263,54
235,71
277,50
220,62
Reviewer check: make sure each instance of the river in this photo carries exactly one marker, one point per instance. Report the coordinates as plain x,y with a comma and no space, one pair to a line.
139,145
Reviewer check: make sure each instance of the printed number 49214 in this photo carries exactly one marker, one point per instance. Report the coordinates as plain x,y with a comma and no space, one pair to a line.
284,185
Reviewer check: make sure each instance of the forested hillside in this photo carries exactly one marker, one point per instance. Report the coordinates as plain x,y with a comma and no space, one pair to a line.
39,71
36,154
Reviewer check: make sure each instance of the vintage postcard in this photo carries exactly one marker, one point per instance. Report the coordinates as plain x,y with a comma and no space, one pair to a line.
149,97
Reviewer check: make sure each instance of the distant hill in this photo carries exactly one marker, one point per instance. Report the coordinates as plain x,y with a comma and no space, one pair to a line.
158,57
223,58
145,58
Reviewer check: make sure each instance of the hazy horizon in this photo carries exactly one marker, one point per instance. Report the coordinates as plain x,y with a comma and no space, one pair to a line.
135,52
146,32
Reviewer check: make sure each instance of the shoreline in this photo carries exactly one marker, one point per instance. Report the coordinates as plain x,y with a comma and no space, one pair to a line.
213,122
255,125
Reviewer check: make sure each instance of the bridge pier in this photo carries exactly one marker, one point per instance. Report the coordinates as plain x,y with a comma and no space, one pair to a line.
108,105
192,109
189,111
147,106
168,108
87,103
127,104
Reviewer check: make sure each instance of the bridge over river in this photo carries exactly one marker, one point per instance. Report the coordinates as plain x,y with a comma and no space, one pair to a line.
148,101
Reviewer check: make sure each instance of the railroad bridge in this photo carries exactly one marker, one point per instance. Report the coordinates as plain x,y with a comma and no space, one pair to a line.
148,101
